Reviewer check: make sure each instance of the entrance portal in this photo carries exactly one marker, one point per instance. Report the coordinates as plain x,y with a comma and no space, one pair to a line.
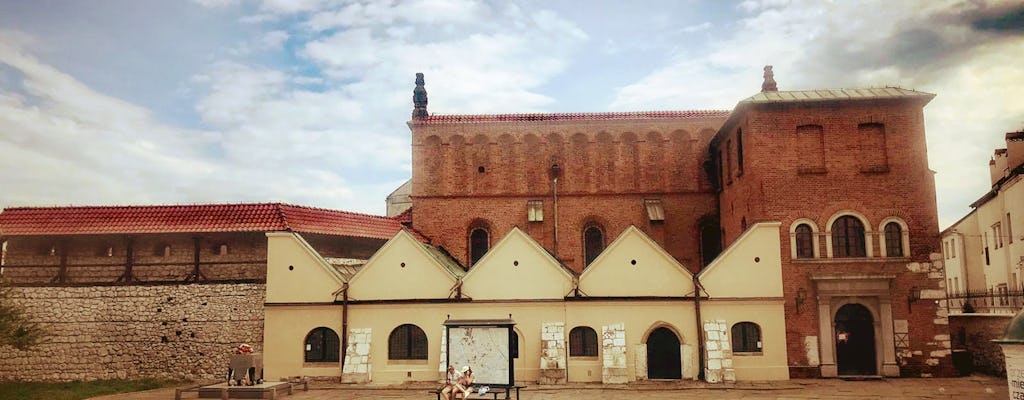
663,360
855,341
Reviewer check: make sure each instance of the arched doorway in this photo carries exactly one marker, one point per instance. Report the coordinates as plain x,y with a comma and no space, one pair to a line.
855,341
663,360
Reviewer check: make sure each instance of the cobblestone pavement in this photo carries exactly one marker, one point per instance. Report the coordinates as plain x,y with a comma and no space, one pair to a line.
975,387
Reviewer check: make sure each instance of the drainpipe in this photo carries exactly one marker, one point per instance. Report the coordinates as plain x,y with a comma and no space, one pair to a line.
697,289
344,321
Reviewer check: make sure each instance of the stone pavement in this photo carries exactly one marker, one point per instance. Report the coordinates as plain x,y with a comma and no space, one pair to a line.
974,387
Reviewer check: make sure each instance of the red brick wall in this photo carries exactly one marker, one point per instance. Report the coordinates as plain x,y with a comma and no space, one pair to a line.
780,182
608,169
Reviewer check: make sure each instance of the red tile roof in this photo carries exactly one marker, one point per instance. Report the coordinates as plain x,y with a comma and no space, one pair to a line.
601,116
201,218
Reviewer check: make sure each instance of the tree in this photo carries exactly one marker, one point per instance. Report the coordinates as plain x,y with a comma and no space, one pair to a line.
16,327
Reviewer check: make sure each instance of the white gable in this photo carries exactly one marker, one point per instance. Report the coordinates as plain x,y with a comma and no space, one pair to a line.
402,269
517,268
298,274
750,267
634,265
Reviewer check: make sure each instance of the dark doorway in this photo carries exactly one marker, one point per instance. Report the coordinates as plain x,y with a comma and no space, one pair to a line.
855,341
663,360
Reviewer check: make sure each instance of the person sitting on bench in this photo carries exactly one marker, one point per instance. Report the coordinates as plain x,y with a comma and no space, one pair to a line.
465,382
451,384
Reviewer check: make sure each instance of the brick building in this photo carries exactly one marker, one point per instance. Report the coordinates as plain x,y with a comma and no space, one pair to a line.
845,172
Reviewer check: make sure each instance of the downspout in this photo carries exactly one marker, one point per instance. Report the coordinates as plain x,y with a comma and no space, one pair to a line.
697,289
344,322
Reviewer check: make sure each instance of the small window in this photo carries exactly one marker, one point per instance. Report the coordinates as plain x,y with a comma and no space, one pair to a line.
893,240
746,337
407,342
322,345
162,250
952,247
593,243
655,211
1009,228
535,210
997,235
804,241
479,243
222,249
739,150
583,342
48,249
848,238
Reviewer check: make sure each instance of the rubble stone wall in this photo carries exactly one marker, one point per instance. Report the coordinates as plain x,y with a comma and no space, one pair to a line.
108,332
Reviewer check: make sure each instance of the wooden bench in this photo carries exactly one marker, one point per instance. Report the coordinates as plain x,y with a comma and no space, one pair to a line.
494,391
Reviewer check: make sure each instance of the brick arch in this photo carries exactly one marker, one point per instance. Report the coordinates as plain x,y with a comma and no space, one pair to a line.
433,163
505,179
535,172
579,164
627,162
652,164
868,245
682,161
604,153
455,159
480,158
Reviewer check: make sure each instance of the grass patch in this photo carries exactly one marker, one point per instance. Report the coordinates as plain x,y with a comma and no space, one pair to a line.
78,390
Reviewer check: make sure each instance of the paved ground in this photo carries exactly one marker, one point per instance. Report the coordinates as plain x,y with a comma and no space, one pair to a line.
975,387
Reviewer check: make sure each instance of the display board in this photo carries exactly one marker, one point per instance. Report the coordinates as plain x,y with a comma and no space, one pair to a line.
485,348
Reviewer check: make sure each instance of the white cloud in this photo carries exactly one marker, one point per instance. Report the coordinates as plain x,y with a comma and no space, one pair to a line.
216,3
927,45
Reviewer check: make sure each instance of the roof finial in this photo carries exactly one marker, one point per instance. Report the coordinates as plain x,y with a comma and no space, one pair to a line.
419,98
769,80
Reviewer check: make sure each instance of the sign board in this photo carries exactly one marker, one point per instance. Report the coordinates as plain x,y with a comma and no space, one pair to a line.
483,345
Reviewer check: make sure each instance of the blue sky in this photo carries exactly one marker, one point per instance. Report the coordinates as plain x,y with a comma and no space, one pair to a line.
305,101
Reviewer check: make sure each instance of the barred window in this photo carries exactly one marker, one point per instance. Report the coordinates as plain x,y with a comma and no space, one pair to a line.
593,243
893,240
804,241
407,342
479,243
583,342
322,345
848,238
746,337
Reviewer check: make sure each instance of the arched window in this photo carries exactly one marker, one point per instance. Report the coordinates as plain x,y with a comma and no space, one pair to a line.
893,240
804,241
407,342
322,345
221,249
848,237
593,243
162,250
479,243
746,337
583,342
105,250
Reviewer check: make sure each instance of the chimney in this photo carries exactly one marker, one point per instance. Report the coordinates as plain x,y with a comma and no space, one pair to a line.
1014,149
419,98
997,165
769,80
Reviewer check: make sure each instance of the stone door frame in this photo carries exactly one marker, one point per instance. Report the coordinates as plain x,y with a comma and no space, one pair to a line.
871,291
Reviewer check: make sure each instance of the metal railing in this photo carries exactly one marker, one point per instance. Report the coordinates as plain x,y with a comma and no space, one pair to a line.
986,301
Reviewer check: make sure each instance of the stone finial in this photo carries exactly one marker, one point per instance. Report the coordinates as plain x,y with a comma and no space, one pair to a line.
769,80
419,98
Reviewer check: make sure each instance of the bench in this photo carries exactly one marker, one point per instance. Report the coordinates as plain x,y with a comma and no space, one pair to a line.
494,391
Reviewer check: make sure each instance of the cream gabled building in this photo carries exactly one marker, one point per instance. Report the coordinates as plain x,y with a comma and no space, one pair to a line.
984,250
390,312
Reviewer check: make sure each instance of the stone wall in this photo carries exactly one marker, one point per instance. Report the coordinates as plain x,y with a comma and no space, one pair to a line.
107,332
358,367
973,333
613,348
718,352
552,357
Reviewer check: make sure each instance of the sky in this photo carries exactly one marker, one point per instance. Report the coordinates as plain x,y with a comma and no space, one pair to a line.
117,102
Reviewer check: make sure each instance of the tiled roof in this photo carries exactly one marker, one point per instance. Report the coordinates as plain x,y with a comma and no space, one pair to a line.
600,116
835,94
201,218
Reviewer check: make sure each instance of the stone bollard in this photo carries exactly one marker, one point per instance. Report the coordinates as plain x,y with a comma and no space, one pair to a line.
1012,343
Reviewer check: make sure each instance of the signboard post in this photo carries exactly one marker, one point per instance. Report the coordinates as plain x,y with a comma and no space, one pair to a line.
485,346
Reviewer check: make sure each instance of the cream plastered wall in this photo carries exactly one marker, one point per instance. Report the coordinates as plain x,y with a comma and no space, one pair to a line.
749,268
284,338
401,269
517,268
296,273
634,265
639,317
769,315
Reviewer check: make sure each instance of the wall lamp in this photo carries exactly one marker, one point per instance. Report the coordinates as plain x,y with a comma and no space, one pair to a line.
801,297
